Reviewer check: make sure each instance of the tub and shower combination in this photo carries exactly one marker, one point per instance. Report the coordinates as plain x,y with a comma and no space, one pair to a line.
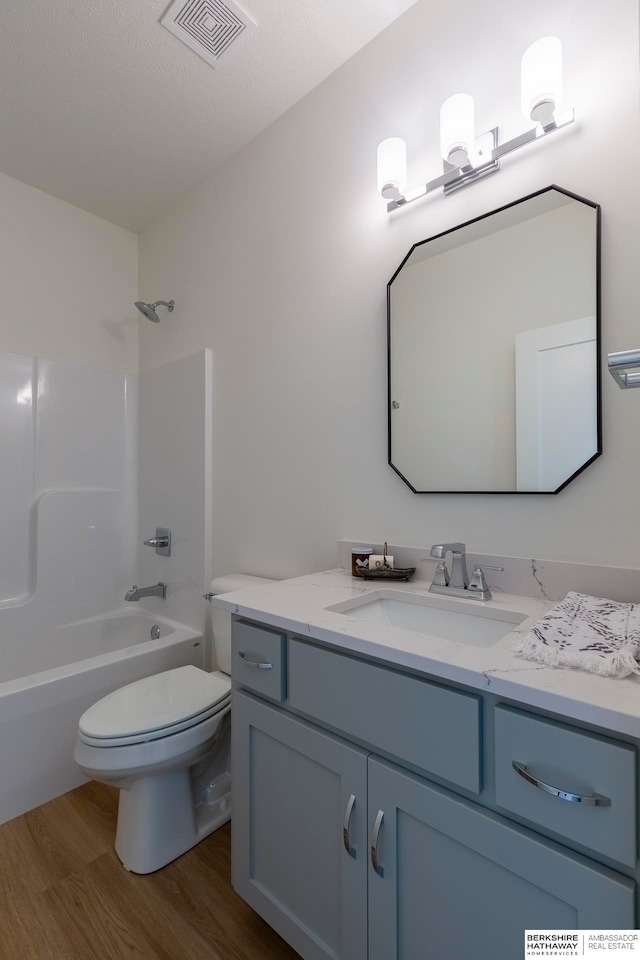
85,660
78,445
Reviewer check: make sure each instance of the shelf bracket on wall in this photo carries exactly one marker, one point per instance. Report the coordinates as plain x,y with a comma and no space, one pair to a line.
624,367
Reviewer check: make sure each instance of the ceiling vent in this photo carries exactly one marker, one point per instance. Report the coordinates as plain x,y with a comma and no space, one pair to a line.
214,29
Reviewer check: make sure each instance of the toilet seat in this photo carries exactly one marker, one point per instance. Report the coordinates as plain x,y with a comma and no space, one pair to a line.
120,761
155,708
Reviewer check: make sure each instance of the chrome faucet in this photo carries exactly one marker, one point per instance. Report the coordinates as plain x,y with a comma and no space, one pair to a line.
459,577
458,584
137,593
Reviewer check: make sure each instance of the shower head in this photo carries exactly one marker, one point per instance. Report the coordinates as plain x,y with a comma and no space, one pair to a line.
148,310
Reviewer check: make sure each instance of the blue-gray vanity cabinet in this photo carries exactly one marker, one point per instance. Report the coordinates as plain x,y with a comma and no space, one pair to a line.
421,871
258,659
573,763
455,881
293,819
428,725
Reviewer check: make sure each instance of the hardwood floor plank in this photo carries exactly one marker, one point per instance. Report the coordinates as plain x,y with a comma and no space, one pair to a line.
92,919
46,844
29,931
209,868
64,895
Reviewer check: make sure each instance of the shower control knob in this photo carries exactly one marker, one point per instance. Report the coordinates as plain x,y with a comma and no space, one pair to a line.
161,542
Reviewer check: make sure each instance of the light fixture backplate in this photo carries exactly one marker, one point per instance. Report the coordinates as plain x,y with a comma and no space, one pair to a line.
482,164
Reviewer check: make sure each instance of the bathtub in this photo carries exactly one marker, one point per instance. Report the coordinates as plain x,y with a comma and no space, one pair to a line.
77,664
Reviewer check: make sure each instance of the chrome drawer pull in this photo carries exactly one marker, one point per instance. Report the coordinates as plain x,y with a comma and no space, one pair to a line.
595,800
258,664
346,824
375,833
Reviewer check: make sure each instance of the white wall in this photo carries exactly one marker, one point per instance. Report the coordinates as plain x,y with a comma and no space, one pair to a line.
279,263
68,281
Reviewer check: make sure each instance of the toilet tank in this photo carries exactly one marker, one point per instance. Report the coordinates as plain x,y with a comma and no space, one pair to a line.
221,620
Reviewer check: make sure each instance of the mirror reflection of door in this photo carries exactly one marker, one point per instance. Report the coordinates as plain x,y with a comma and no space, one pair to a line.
556,402
462,305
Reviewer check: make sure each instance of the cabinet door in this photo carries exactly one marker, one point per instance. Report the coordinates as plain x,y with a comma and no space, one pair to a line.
293,818
455,881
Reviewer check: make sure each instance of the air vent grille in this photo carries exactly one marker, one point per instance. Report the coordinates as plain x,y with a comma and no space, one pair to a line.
211,28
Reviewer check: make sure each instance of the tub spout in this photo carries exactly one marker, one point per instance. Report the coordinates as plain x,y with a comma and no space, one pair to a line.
137,593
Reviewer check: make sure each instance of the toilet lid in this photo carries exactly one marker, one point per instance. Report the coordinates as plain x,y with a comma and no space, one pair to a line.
155,703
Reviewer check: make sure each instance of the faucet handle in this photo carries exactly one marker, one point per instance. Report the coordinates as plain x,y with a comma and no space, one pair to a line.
478,584
441,576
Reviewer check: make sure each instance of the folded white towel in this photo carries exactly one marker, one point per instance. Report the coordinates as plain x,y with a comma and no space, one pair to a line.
590,633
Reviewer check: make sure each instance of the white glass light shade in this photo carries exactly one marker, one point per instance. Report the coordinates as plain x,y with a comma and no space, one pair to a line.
457,128
392,168
541,79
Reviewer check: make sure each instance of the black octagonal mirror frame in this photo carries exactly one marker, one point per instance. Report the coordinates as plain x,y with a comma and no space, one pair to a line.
477,229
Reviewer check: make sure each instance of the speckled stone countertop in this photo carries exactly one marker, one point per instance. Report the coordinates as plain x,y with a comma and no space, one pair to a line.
300,606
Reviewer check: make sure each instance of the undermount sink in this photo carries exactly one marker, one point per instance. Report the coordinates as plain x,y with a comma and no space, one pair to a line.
435,616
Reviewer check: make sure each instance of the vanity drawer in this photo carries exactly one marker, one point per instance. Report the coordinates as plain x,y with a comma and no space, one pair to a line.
258,660
427,725
577,764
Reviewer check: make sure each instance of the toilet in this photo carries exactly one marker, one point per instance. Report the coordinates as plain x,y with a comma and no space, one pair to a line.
165,742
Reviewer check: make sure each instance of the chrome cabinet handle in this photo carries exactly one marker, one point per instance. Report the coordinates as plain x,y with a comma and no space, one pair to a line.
375,833
595,800
346,824
258,664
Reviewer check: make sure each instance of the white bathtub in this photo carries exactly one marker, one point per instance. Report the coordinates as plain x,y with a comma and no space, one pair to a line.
78,664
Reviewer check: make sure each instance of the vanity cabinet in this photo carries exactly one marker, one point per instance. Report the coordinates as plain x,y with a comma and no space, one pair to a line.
293,820
350,855
455,881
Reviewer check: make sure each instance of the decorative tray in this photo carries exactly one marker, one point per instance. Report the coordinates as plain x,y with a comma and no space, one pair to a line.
398,573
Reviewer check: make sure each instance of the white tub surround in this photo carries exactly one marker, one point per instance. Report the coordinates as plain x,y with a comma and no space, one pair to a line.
300,606
68,494
39,711
175,485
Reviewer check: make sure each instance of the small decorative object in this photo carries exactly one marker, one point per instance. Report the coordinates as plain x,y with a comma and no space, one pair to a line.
360,560
382,567
388,573
381,561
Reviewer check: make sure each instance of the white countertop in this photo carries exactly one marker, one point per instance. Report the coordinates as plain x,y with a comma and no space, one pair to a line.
298,606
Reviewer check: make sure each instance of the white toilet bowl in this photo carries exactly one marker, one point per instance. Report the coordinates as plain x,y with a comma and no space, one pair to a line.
164,741
148,739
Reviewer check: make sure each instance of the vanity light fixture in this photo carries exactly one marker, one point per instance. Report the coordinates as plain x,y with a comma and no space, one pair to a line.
457,129
467,158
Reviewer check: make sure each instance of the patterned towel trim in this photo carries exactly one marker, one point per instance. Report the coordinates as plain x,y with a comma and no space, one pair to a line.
588,633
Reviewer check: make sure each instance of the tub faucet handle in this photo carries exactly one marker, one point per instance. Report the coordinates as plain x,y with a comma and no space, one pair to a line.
161,542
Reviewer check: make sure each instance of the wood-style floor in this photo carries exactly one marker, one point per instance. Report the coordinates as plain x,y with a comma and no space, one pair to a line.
64,895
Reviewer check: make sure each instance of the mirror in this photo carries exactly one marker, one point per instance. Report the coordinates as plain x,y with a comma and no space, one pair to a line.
493,351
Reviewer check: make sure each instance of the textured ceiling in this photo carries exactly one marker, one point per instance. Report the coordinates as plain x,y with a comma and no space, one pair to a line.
101,106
